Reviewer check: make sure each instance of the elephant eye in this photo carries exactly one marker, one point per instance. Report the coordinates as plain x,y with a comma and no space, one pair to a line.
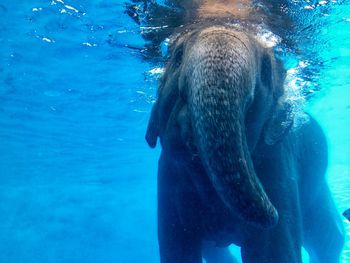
266,71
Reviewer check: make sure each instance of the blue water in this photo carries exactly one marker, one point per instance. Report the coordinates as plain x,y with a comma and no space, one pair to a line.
77,180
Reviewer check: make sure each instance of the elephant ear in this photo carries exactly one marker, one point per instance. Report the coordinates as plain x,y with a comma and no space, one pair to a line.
168,92
281,119
280,122
153,127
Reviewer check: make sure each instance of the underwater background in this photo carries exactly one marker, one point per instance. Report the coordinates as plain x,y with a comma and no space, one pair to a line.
77,179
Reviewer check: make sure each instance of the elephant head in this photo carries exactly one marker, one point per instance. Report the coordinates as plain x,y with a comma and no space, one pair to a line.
226,92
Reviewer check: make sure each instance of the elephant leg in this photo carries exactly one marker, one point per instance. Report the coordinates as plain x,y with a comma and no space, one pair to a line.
178,242
213,254
273,246
323,231
276,166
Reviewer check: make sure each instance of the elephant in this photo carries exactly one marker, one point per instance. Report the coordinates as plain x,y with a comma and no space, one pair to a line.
233,169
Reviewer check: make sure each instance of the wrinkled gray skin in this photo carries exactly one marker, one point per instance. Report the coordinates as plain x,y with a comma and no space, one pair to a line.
231,170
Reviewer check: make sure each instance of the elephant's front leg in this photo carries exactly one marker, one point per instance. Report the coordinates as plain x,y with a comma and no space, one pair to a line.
179,242
323,229
281,243
278,245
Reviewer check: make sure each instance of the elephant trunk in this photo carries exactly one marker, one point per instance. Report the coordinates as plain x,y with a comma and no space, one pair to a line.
220,79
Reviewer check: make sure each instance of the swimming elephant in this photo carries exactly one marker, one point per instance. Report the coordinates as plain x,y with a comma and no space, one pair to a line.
231,168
